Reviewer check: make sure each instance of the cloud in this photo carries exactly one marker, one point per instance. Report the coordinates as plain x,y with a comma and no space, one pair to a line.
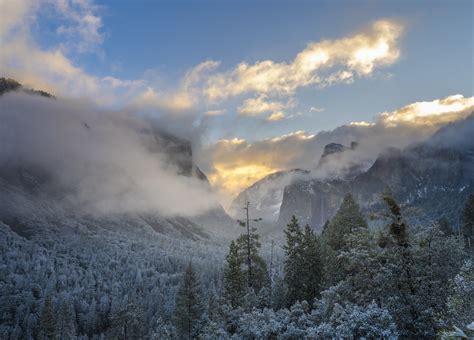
53,70
276,116
214,113
175,101
358,54
260,104
316,109
83,25
232,165
50,69
102,162
270,83
15,14
436,112
361,123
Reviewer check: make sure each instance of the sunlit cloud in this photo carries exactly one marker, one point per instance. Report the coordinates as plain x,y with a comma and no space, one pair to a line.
436,112
361,123
260,104
234,164
213,113
52,69
232,179
176,101
358,54
271,84
276,116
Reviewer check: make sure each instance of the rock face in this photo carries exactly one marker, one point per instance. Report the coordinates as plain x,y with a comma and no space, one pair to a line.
313,202
331,149
434,178
266,195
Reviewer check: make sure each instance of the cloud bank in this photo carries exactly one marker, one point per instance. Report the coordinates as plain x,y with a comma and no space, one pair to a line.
106,162
358,54
234,164
263,88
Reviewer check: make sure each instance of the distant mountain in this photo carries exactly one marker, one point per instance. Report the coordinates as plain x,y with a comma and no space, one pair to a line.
266,195
433,178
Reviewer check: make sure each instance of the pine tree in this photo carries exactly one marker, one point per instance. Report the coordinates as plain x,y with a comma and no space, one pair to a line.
279,293
234,278
47,319
258,267
461,301
347,220
438,259
263,298
468,224
293,261
303,263
311,265
66,327
127,322
400,258
188,304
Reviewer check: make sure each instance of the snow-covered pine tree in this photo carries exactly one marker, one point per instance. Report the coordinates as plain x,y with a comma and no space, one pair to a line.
399,257
468,224
66,324
259,277
460,304
303,263
437,259
293,261
188,304
47,319
311,265
347,220
234,278
279,293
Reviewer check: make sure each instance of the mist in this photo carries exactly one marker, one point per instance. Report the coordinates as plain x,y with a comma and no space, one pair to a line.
106,162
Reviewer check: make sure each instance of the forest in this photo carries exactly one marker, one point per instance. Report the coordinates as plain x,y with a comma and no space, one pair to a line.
398,281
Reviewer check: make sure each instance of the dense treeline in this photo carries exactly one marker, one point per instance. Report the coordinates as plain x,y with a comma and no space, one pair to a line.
349,281
102,283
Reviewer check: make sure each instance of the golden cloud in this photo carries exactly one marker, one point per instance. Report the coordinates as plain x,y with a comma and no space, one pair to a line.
360,54
433,113
234,164
276,116
255,106
215,112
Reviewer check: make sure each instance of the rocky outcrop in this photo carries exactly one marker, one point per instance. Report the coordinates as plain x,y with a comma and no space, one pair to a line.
265,196
11,85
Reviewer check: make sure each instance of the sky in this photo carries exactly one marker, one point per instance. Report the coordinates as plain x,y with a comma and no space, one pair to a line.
246,73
